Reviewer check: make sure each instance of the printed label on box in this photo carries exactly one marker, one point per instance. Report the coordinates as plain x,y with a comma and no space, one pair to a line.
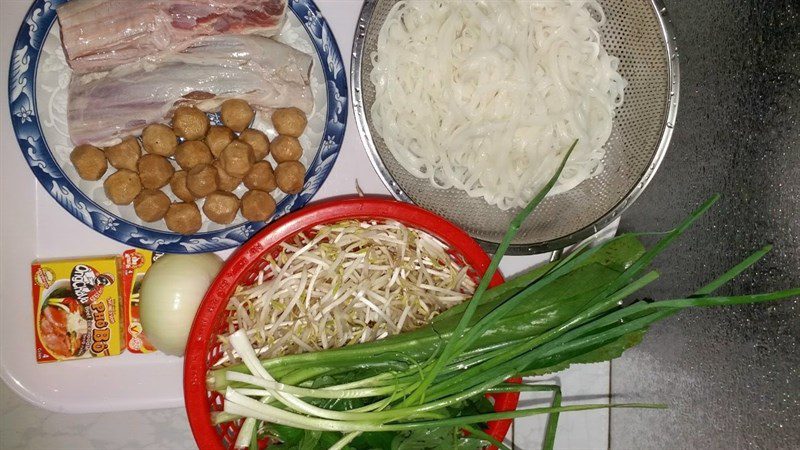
77,309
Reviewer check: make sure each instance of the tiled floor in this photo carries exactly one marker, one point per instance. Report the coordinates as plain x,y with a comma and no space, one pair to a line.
576,430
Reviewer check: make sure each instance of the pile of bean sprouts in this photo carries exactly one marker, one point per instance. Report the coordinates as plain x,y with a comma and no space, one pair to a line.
346,283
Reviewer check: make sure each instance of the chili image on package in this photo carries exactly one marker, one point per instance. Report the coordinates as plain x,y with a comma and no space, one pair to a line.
77,309
134,264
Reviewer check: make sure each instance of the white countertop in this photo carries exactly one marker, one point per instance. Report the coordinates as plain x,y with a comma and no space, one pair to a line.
23,425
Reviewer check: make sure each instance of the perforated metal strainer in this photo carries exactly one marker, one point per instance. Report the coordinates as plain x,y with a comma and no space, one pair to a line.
639,33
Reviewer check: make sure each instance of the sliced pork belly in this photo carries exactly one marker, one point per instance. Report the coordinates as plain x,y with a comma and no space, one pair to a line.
98,35
264,72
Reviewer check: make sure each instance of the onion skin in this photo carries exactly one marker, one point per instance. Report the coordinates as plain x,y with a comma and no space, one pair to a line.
171,292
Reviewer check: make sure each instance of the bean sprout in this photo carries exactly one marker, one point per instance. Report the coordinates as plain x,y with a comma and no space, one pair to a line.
345,283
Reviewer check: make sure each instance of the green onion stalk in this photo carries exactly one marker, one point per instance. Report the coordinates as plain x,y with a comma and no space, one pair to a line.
575,310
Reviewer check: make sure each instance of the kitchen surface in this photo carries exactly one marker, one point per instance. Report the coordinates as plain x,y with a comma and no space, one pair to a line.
731,377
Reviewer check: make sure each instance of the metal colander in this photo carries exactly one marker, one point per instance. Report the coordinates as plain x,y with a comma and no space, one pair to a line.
639,33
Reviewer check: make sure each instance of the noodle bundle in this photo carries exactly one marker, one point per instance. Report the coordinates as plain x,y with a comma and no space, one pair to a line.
486,96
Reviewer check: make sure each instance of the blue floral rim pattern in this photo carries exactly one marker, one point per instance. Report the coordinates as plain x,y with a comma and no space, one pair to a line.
28,131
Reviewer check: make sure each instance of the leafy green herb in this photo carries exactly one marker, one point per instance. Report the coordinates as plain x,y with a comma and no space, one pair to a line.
436,439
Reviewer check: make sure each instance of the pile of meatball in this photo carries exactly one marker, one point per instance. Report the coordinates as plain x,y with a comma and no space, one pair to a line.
212,160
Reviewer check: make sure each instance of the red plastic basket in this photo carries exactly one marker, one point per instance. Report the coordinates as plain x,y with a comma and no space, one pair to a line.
203,350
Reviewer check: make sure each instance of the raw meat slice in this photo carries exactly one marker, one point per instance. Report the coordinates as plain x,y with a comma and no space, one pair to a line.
98,35
264,72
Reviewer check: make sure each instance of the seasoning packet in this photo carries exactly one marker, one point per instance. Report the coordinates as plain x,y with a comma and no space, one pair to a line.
134,265
77,308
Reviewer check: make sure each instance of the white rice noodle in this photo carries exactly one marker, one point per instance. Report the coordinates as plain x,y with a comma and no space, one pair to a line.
486,96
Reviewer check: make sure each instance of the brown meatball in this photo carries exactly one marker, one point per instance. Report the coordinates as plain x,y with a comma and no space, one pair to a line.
221,207
154,171
261,177
178,186
218,138
89,161
125,155
289,121
202,180
257,206
184,218
237,158
190,123
236,114
286,148
191,153
257,140
159,139
226,181
290,176
151,205
122,186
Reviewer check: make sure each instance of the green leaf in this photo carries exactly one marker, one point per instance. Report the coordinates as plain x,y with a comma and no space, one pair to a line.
436,439
310,441
475,405
604,353
618,253
289,436
501,293
297,439
327,439
611,351
374,440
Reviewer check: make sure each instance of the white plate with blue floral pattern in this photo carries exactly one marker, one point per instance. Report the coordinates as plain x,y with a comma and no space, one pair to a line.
38,80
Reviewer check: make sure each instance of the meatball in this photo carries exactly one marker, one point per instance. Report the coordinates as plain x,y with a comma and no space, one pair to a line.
218,138
290,176
286,148
190,123
192,153
151,205
261,177
154,171
237,158
202,180
159,139
89,161
257,206
178,185
184,218
122,186
125,155
236,114
289,121
226,182
221,207
257,140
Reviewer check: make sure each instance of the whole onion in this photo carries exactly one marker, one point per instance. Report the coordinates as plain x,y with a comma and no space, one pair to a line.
171,292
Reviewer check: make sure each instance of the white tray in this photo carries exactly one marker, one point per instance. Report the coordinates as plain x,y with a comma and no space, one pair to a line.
33,225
